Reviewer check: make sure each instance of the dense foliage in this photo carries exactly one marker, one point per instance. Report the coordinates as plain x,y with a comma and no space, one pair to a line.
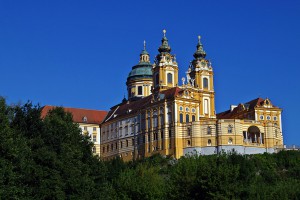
50,159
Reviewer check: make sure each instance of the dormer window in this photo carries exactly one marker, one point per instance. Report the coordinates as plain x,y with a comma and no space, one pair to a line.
267,102
84,119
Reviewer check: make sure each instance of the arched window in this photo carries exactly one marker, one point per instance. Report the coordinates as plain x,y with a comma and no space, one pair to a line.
209,142
230,141
230,129
181,118
205,83
189,142
187,118
193,118
208,130
189,131
170,78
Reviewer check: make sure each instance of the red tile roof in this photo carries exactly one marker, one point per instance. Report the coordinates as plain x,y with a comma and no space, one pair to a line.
228,114
131,107
92,116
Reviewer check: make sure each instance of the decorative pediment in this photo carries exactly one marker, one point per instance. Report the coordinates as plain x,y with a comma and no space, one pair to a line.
267,103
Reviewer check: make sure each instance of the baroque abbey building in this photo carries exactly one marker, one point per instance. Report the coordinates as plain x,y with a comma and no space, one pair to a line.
163,116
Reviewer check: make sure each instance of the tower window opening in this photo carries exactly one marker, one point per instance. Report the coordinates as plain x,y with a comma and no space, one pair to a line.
170,78
140,90
205,106
205,83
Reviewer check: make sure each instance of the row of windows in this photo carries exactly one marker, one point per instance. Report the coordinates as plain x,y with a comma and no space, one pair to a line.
93,136
268,117
187,118
230,141
187,109
85,128
169,78
114,146
229,129
160,147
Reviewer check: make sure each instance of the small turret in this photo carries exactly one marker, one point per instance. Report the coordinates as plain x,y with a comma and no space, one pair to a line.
164,44
139,80
200,53
144,56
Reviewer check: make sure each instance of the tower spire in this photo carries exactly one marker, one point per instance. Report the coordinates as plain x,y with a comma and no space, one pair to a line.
144,56
200,53
164,44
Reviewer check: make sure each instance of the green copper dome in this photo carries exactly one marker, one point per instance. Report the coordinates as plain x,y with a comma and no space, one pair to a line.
142,70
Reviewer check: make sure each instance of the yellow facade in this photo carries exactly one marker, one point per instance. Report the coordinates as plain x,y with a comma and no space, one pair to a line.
179,120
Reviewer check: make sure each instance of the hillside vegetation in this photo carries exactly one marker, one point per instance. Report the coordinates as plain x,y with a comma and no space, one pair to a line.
51,159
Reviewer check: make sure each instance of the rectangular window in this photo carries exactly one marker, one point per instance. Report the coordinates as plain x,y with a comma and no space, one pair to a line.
162,119
205,106
169,118
85,128
181,118
155,121
140,90
245,135
149,122
94,137
94,128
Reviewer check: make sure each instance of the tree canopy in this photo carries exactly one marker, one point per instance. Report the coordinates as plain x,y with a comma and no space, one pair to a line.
50,159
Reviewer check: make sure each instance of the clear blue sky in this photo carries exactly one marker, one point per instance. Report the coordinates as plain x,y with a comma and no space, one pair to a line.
79,53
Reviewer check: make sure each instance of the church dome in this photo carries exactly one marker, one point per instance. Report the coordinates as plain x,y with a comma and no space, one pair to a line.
142,70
